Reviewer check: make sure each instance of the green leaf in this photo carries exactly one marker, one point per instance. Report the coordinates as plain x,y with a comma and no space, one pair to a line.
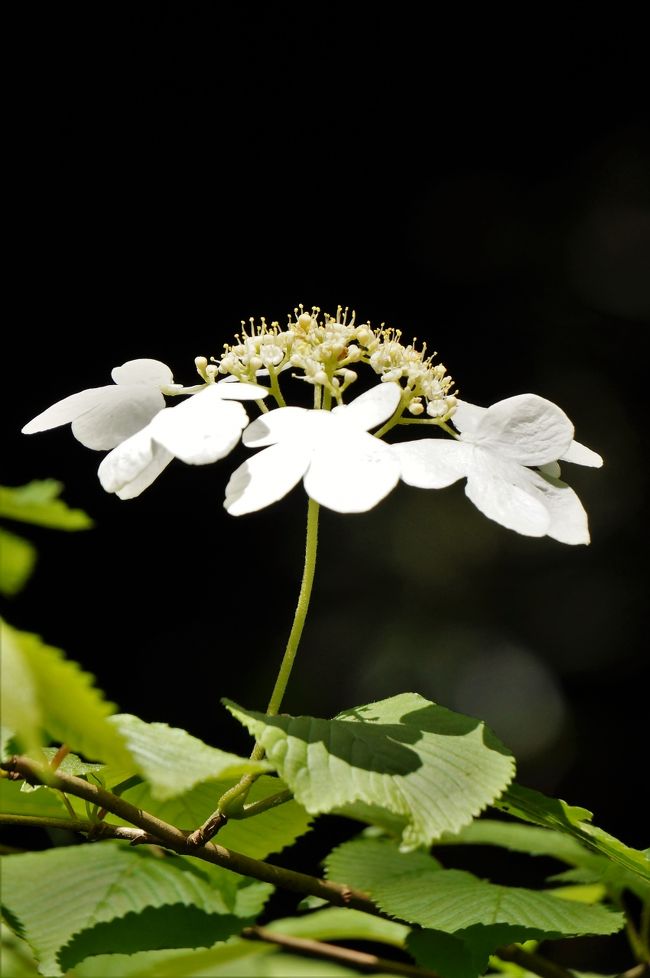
415,889
519,838
533,806
45,693
71,764
550,842
73,902
38,503
17,960
176,963
236,958
172,760
434,768
6,742
270,831
463,955
17,560
44,804
343,924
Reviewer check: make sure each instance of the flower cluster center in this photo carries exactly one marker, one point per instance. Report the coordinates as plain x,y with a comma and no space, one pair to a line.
324,351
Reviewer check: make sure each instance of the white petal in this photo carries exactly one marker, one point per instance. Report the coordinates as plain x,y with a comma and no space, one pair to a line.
501,492
527,429
353,474
66,410
122,411
467,417
132,466
581,455
265,478
569,522
432,463
200,430
240,392
372,408
282,424
153,373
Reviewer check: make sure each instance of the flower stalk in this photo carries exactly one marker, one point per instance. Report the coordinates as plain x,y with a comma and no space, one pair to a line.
232,802
300,616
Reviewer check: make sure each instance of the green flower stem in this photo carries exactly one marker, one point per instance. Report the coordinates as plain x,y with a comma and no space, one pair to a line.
231,803
396,417
275,387
265,804
311,549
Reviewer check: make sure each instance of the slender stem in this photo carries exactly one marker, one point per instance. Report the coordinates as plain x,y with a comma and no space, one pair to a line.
265,804
60,756
311,549
636,943
91,828
392,421
331,952
232,801
419,421
275,387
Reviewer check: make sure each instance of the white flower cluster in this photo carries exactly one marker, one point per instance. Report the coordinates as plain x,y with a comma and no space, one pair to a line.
325,351
508,453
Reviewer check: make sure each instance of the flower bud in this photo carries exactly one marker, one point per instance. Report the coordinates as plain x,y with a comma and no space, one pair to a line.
304,321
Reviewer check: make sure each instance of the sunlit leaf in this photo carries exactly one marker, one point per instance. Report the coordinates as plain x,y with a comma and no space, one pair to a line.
434,768
71,764
533,806
38,503
7,744
44,804
452,901
596,867
17,560
235,958
77,901
171,759
16,958
43,693
343,924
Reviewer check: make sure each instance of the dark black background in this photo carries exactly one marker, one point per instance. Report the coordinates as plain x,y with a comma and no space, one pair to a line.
483,185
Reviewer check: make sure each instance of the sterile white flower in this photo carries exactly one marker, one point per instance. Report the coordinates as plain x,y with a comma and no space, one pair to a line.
200,430
496,446
102,417
342,466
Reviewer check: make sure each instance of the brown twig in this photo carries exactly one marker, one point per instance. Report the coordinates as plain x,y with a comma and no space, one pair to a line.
332,952
151,830
163,834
